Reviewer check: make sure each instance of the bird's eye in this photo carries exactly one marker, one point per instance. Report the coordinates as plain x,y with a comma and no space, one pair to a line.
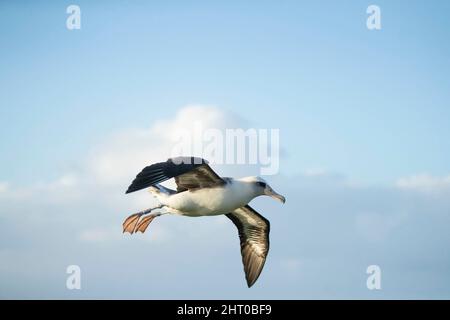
262,184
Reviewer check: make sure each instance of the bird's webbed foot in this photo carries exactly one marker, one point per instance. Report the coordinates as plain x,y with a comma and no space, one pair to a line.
144,223
134,223
130,223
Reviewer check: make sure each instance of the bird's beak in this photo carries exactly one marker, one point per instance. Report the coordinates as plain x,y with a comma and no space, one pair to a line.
271,193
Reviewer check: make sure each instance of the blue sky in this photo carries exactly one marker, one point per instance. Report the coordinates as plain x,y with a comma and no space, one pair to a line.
375,101
365,106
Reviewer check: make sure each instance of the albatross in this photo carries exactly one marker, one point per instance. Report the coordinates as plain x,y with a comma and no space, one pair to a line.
201,192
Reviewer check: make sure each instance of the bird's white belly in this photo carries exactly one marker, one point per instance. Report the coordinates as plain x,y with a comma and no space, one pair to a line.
208,201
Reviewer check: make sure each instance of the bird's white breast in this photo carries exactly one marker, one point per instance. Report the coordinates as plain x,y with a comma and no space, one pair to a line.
211,201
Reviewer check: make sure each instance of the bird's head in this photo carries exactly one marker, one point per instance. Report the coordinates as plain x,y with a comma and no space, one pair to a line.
263,188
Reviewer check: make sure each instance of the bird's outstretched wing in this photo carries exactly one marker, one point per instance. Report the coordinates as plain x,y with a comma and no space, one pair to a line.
189,173
254,236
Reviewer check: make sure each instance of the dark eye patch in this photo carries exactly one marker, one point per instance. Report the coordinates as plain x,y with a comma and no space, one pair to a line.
261,184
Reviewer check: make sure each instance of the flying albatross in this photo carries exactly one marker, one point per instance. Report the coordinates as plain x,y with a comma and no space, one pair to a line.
201,192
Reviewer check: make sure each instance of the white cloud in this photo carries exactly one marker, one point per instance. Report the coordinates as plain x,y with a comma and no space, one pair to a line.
118,160
3,187
62,190
424,183
67,180
113,163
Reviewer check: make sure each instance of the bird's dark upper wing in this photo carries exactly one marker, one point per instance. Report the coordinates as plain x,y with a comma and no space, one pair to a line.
189,172
254,236
199,177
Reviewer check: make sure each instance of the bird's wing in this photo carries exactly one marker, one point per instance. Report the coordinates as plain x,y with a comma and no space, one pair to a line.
254,235
189,172
199,177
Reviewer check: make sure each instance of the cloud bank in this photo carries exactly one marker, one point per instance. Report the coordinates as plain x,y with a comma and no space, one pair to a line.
322,240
